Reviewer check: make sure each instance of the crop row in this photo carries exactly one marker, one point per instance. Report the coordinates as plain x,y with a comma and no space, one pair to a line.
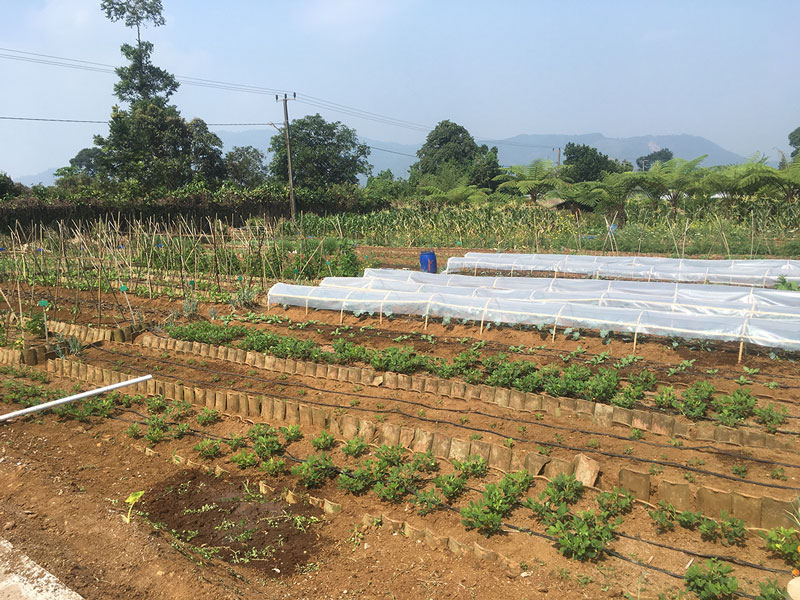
393,476
602,384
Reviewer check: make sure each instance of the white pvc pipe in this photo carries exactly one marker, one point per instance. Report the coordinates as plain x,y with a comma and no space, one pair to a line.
60,401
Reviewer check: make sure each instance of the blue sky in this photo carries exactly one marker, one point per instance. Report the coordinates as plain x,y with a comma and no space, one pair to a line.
725,70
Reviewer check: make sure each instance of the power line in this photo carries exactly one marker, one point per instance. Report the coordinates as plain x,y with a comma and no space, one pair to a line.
51,120
85,65
392,151
48,120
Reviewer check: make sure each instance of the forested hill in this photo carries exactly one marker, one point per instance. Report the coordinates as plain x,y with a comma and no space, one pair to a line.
522,149
517,150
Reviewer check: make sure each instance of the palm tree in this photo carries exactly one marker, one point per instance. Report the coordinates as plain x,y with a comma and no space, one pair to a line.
672,180
533,180
787,180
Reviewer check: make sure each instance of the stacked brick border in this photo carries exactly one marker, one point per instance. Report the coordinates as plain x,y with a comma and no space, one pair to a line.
756,511
604,415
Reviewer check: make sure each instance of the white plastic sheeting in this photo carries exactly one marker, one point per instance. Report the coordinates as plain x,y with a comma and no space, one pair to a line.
672,297
462,303
760,273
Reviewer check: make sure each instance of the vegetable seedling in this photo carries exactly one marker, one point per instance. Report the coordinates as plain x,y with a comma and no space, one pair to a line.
131,500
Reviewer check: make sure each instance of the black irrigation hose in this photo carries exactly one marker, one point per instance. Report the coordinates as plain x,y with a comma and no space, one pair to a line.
475,429
338,470
703,448
501,347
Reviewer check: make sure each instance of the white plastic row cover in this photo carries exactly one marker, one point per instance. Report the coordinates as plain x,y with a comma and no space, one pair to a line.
771,332
761,273
680,297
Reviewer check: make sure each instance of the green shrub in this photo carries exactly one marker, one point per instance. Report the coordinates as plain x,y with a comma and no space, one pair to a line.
664,517
354,447
665,398
689,520
389,456
397,483
274,466
424,462
734,408
245,459
324,441
315,470
208,416
712,581
693,403
451,486
618,501
236,441
478,516
360,479
770,590
427,502
208,449
267,445
583,536
472,466
291,433
602,386
784,543
770,417
645,380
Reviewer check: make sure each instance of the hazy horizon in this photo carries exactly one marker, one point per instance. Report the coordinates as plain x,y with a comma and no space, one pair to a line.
718,70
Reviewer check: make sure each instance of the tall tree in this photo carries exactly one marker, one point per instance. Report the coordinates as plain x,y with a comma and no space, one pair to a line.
246,166
323,153
149,145
484,169
645,162
86,161
140,80
448,143
585,163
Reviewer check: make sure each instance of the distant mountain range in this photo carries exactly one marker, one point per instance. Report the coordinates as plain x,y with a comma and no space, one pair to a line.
518,150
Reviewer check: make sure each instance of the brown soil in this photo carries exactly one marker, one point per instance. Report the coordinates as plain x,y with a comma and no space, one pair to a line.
63,484
241,526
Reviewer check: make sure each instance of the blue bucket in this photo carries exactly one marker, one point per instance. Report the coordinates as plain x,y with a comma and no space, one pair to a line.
427,262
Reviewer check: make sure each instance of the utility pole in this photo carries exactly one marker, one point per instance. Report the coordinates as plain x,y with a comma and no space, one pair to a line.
288,147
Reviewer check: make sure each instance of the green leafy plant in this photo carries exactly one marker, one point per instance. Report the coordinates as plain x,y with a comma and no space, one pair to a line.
713,581
427,501
354,447
324,441
236,441
245,459
291,433
451,485
130,501
360,479
315,470
663,516
770,417
585,535
208,416
739,470
472,466
208,449
616,502
274,466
